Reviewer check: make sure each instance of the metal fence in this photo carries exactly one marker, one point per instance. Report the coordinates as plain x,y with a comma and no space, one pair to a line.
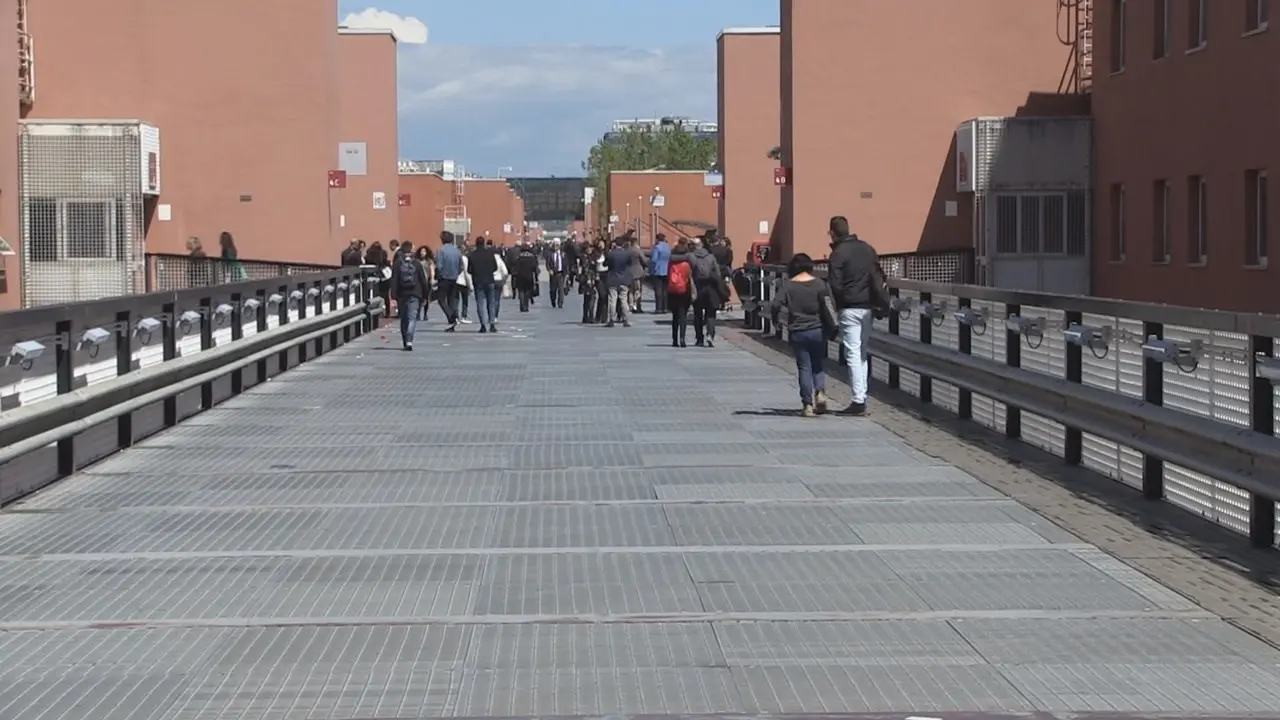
166,272
1178,403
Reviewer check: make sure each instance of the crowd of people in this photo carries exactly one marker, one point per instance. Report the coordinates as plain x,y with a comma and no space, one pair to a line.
690,278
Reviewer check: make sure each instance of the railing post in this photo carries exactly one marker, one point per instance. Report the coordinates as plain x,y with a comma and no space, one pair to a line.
65,375
124,366
766,299
926,338
333,307
237,334
303,302
261,327
1073,439
282,358
169,346
895,328
1013,359
318,309
1262,415
1152,392
964,343
206,343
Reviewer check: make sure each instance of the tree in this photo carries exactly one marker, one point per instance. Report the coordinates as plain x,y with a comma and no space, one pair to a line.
668,148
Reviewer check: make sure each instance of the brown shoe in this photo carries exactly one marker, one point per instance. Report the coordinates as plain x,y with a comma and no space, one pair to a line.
807,411
820,402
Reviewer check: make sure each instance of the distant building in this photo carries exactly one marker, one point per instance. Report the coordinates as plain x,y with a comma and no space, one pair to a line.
703,129
550,201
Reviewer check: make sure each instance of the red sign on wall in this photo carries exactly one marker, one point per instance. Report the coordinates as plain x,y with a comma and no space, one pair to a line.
405,200
337,179
781,176
717,192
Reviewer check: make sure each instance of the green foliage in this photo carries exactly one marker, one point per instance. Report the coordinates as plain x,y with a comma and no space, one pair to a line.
634,149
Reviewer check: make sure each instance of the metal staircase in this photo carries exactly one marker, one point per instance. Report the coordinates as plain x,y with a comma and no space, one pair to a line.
26,61
1084,44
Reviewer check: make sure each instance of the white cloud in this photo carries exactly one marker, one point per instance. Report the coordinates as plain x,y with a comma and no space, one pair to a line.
550,103
409,30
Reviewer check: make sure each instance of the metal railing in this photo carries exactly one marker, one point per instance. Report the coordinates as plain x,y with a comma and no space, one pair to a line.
166,272
1178,403
79,382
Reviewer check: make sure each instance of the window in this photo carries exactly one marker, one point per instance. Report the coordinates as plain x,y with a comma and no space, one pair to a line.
1198,24
40,236
1256,217
1041,223
1031,225
88,230
1118,31
1197,220
1160,46
1257,15
1160,250
1117,223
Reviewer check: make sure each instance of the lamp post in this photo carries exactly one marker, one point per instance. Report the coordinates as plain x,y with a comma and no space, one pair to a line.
656,202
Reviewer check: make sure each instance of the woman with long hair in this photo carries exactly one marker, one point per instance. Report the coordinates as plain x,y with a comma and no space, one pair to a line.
679,293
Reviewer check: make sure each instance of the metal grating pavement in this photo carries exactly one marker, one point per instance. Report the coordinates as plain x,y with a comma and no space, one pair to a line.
567,520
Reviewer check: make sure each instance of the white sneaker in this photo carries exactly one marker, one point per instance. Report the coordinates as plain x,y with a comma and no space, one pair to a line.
464,321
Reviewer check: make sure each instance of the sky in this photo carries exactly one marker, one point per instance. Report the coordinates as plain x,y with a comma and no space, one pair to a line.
526,87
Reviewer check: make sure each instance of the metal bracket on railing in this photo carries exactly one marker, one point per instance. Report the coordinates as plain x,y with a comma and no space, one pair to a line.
250,306
222,315
274,300
342,287
1267,368
376,306
295,299
935,312
1031,329
328,291
974,318
188,321
146,329
1097,339
900,305
92,340
1184,357
24,354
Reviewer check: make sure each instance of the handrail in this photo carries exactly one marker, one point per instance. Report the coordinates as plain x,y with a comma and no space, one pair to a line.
1035,368
170,271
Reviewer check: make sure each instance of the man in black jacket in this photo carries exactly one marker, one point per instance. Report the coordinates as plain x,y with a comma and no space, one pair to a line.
857,286
483,266
409,281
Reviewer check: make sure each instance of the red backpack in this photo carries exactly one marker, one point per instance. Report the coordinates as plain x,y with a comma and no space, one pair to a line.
678,278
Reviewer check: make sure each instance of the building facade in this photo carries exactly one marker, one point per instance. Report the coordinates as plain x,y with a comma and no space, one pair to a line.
672,202
368,150
748,67
1186,111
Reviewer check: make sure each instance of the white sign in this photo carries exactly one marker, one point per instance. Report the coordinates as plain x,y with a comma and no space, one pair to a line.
951,208
659,201
506,228
713,179
764,227
164,212
613,219
353,157
379,201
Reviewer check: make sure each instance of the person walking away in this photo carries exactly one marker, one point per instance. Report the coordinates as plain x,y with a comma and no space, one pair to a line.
448,270
619,263
602,282
709,294
805,306
557,270
234,271
526,276
482,265
409,278
424,256
503,278
639,269
464,287
659,269
199,266
588,286
677,294
857,286
376,256
353,256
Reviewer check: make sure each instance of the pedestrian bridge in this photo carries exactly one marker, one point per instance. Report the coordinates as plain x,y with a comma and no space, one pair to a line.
562,520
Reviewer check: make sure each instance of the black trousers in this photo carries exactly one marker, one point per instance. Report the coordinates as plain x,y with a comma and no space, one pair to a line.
705,308
679,306
659,293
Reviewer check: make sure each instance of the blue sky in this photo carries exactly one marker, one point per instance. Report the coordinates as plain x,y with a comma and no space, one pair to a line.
531,84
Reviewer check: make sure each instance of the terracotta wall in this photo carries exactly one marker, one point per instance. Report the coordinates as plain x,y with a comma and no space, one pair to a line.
871,99
687,198
1185,114
366,79
10,268
491,205
243,93
749,111
423,218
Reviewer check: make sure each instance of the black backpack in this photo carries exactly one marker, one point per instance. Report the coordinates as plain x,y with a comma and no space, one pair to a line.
408,274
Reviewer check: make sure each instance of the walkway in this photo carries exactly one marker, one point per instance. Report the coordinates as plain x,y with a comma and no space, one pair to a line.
563,520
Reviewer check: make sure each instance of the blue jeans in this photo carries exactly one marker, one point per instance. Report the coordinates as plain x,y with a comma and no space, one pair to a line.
488,295
810,348
410,308
855,325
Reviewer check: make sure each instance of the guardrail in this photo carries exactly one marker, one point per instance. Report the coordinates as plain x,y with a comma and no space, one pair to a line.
185,272
81,381
1178,403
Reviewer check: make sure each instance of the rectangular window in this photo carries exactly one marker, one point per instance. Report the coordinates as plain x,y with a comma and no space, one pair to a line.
1197,24
1160,44
1118,31
1117,223
1257,15
41,232
1256,217
1197,220
88,230
1160,224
